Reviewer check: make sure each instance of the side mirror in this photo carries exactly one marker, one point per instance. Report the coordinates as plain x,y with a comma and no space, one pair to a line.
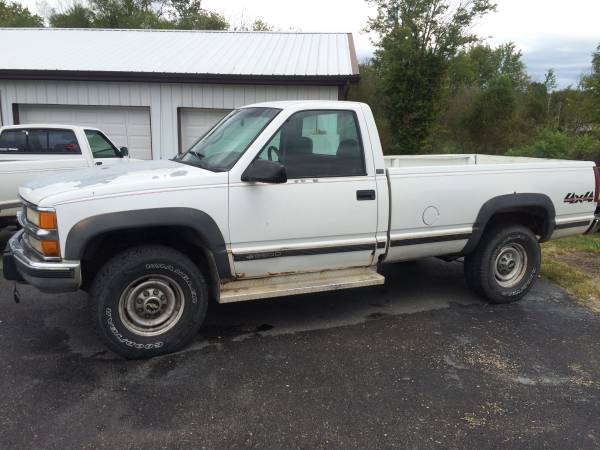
265,172
124,152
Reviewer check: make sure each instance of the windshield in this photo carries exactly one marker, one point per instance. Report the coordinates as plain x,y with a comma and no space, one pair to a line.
220,148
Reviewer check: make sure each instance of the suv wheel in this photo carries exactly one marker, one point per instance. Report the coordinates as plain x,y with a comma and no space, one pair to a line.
148,300
505,264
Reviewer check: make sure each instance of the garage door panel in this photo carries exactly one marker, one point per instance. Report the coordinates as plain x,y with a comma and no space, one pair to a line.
125,126
138,118
87,117
195,122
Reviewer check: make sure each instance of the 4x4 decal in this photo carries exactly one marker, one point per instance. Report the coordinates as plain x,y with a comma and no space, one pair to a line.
572,197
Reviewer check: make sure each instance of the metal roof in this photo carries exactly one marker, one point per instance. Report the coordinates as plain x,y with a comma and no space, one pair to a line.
217,53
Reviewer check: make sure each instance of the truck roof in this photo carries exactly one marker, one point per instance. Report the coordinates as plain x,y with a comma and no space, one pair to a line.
47,126
308,104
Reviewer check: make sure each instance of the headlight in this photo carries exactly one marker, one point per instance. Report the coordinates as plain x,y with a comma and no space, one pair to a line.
41,231
46,220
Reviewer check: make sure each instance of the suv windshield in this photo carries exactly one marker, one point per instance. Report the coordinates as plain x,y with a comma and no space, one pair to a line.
220,148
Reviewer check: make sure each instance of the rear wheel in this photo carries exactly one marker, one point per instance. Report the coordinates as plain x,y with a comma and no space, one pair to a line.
148,300
505,264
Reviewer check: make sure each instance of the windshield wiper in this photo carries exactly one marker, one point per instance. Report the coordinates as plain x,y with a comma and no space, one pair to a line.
198,163
196,154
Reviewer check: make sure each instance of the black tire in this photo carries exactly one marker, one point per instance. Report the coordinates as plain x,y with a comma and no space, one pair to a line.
490,271
144,285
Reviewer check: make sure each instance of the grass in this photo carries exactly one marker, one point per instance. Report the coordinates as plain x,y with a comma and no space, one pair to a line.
557,265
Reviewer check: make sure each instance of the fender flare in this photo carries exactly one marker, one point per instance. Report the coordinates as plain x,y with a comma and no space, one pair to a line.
512,203
83,232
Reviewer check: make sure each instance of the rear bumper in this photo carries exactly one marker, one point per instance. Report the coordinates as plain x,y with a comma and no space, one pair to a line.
23,266
595,226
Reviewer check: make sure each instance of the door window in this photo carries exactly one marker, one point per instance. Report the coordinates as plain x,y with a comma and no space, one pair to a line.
39,141
314,144
101,147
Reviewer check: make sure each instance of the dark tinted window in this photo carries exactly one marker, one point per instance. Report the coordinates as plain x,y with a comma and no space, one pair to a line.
12,141
101,147
315,144
39,141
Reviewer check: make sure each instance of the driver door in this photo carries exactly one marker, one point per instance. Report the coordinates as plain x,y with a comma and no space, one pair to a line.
324,216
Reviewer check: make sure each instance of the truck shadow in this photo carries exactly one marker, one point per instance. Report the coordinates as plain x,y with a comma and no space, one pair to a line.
411,287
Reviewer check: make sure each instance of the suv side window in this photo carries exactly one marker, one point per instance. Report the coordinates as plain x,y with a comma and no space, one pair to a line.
38,141
100,145
314,144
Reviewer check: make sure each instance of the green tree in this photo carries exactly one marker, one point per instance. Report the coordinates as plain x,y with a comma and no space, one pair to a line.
189,15
591,86
492,117
537,103
416,41
368,91
125,14
75,16
14,15
145,14
480,64
261,25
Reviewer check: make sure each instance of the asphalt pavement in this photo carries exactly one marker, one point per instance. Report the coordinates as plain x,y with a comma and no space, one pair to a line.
418,363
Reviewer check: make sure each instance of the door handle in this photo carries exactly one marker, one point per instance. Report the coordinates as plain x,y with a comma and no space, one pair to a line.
98,163
368,194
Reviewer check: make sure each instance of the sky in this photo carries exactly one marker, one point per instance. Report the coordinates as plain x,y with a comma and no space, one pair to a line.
551,33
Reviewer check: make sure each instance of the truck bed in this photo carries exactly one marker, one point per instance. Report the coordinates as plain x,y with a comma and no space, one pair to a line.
459,160
435,199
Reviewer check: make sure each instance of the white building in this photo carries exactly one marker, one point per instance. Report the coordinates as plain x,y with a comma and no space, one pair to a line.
158,91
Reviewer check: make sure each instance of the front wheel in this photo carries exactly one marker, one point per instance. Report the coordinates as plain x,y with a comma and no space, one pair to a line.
505,264
148,300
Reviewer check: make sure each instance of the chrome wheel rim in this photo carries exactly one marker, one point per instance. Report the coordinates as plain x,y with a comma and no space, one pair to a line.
510,265
151,305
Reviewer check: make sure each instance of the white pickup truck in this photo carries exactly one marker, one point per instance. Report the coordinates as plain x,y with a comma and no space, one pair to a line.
284,198
28,152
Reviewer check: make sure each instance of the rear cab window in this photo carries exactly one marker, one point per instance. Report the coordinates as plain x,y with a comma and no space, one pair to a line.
39,141
100,145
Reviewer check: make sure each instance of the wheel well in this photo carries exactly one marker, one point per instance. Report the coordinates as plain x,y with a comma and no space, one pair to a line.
184,239
534,218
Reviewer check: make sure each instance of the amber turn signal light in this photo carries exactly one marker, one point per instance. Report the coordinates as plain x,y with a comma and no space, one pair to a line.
47,220
50,248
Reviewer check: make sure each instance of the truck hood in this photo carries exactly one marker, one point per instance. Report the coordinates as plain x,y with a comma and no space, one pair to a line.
115,179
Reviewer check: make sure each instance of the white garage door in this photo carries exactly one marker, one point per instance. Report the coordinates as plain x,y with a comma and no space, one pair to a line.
194,122
125,126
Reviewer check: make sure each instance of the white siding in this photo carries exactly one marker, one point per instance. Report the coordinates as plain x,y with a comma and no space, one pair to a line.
163,99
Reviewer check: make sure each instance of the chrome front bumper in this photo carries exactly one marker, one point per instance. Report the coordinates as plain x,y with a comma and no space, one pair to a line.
54,276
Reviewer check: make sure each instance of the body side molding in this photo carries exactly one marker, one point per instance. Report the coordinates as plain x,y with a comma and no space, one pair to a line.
206,228
510,203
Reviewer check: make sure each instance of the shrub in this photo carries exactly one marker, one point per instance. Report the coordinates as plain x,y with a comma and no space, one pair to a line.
559,145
